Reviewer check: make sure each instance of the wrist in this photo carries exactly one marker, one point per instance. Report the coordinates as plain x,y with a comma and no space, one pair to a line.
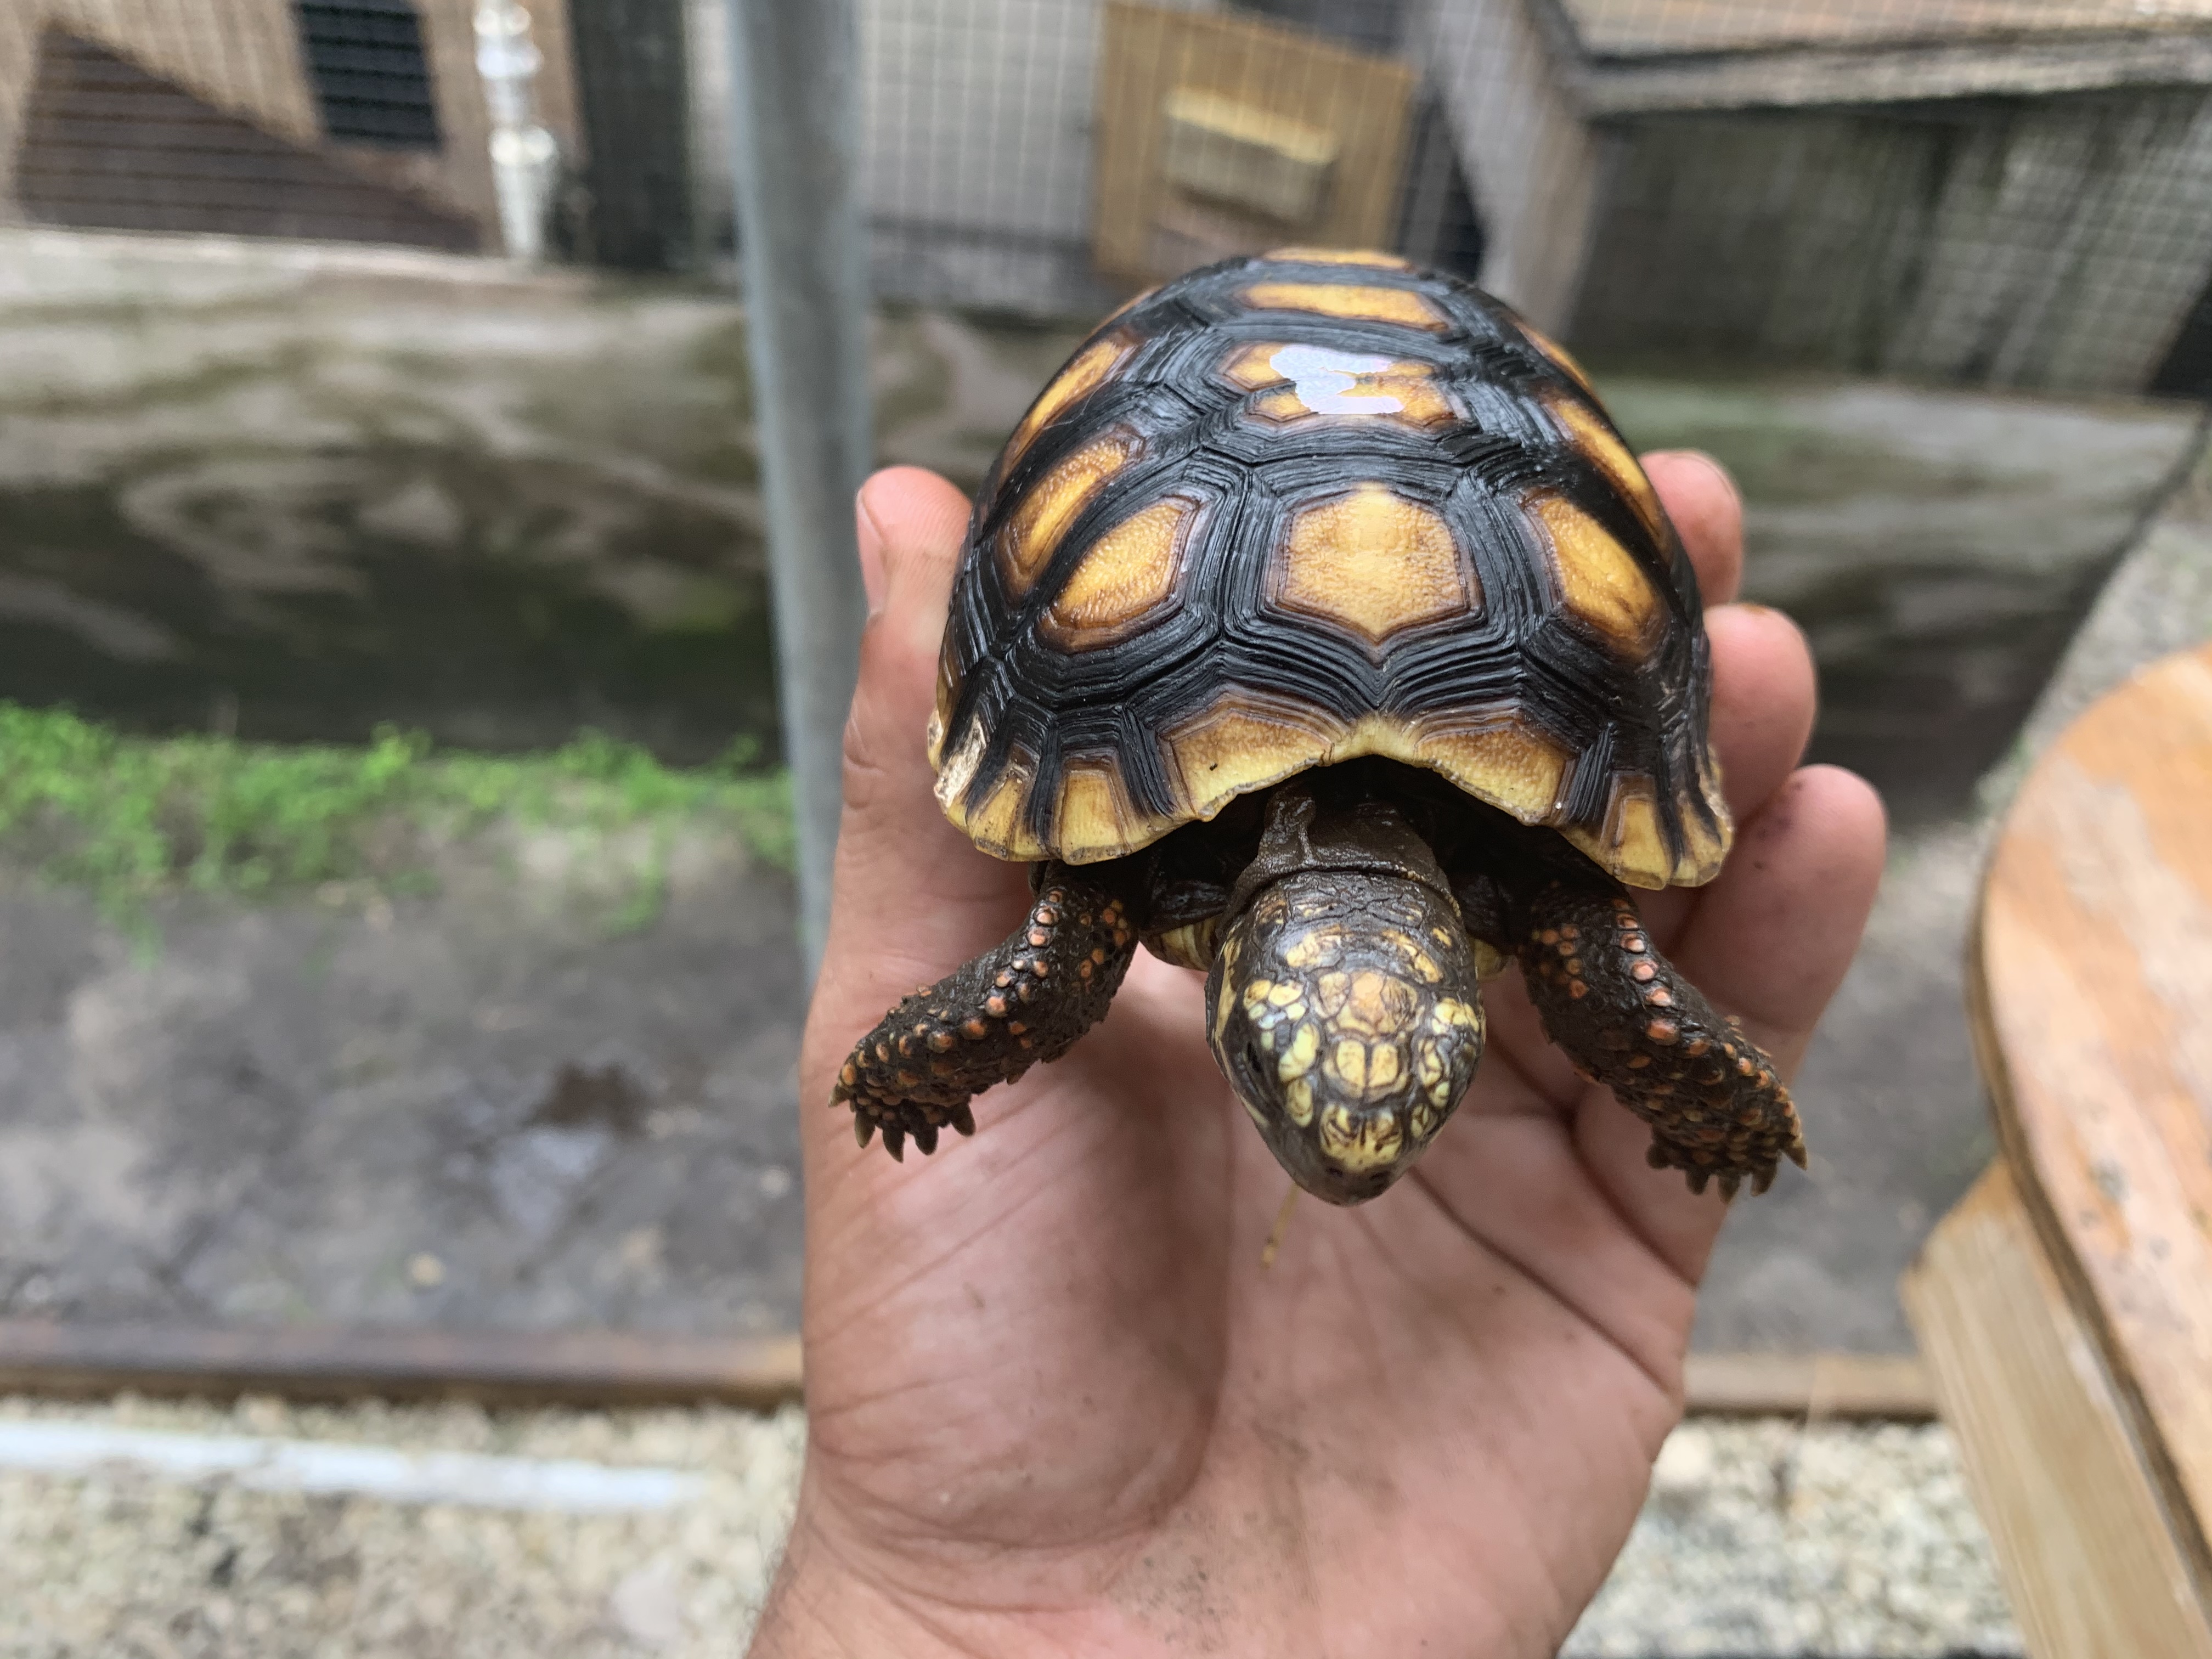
821,1604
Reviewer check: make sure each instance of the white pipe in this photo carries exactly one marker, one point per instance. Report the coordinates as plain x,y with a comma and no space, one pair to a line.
523,154
563,1486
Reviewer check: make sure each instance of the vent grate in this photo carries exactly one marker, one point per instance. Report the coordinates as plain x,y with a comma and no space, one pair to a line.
370,73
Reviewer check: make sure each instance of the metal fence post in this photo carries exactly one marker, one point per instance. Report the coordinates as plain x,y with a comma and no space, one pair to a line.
795,122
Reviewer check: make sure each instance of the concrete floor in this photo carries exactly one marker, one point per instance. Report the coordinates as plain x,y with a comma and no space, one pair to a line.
292,492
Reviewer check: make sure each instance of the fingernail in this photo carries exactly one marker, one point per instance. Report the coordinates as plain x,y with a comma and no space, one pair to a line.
1705,459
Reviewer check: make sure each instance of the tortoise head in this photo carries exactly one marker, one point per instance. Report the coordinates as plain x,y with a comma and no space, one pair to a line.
1343,1009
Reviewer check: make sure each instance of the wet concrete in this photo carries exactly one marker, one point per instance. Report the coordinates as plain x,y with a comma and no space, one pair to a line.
1939,547
494,1108
296,493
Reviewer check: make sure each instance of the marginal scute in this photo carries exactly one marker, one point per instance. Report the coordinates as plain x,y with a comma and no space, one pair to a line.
1242,741
1355,302
1595,437
949,681
1083,376
956,771
1033,530
1706,828
1000,825
1094,819
1339,256
1600,581
1125,580
1632,843
1373,562
1507,762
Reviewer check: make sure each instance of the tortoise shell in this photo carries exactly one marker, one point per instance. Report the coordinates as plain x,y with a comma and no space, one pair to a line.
1291,510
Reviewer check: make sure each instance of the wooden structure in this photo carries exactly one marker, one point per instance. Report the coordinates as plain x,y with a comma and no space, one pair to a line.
2065,1306
634,1368
2005,192
311,1362
1221,135
219,97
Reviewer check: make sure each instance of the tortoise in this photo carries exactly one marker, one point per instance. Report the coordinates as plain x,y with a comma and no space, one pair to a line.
1316,629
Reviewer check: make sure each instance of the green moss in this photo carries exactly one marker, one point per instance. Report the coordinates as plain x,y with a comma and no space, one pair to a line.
132,819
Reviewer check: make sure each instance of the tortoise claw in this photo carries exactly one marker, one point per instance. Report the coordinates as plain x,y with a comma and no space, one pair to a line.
864,1129
895,1141
963,1120
1728,1185
1761,1179
1796,1150
1698,1178
926,1138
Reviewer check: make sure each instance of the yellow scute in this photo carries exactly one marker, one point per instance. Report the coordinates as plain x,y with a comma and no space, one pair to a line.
1353,301
1032,533
1129,572
1600,581
1374,563
1079,379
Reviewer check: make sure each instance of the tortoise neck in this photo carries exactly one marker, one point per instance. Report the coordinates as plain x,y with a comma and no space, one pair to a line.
1320,823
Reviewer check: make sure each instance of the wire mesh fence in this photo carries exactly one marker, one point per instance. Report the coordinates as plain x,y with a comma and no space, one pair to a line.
2010,192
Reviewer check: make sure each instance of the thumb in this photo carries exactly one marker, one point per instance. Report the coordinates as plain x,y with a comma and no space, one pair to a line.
911,899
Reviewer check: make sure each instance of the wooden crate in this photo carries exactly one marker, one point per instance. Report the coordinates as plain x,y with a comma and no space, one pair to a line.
1281,104
2065,1306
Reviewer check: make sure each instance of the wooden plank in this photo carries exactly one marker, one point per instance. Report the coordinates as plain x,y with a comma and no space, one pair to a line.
2092,992
1610,27
1880,74
1893,1386
596,1368
1148,52
618,1368
2084,1539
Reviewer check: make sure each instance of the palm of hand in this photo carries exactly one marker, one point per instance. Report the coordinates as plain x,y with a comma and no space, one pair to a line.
1057,1402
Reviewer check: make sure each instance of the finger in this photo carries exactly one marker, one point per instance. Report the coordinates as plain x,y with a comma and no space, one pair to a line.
1764,700
1701,499
912,898
909,524
1769,940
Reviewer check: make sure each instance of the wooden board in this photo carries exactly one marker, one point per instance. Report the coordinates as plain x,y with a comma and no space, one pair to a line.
1150,51
2091,990
594,1368
616,1368
1895,1387
2091,1561
1610,28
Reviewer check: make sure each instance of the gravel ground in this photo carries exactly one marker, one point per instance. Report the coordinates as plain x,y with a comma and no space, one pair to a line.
1761,1538
1772,1537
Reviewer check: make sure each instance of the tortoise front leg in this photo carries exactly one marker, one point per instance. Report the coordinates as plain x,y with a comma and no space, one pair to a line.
1621,1011
990,1021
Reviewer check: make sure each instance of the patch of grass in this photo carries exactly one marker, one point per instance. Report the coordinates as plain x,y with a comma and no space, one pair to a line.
131,819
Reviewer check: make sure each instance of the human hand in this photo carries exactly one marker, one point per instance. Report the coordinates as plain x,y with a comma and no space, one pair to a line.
1056,1403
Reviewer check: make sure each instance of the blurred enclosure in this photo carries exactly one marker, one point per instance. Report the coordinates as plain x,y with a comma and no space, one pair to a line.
2002,192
